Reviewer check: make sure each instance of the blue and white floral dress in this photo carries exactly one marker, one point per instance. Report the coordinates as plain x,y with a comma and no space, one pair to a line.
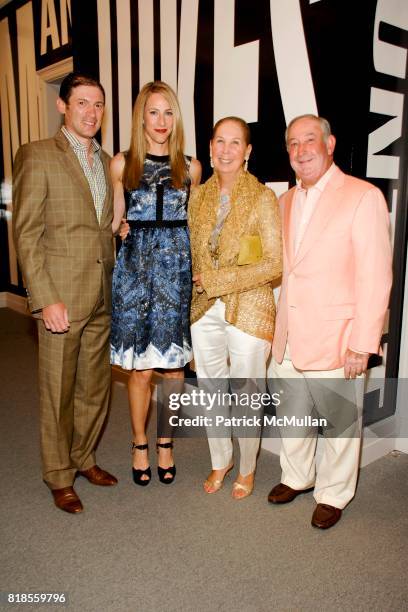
152,277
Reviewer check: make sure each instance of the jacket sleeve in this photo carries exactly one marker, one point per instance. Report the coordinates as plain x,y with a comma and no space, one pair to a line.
29,202
236,279
373,270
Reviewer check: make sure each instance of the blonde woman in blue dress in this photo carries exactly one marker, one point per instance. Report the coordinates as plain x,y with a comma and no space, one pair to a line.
152,277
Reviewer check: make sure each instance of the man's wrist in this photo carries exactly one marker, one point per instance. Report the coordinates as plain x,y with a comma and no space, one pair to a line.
359,352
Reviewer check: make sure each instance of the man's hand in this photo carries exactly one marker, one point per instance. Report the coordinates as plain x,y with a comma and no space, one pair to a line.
197,283
55,317
355,364
124,229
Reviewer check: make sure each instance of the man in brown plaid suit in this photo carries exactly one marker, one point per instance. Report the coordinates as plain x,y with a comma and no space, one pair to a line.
62,200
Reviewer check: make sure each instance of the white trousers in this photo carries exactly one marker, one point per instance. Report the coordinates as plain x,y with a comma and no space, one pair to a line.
335,398
221,351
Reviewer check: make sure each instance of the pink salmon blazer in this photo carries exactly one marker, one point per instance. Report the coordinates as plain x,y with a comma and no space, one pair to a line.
335,290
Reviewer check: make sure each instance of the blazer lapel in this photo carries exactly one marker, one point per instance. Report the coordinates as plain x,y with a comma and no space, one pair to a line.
286,224
108,196
326,207
71,163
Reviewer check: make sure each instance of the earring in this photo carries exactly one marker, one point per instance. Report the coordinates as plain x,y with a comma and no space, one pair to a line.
211,161
246,164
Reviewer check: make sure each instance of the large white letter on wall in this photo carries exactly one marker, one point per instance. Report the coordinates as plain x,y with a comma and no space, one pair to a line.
9,128
29,94
49,25
236,69
9,122
389,103
187,65
105,71
65,12
292,61
146,42
124,73
389,58
168,42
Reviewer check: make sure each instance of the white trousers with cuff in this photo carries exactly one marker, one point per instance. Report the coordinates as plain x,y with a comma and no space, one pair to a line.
335,479
221,351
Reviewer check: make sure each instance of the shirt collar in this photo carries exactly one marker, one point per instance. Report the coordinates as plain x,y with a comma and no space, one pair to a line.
321,183
77,145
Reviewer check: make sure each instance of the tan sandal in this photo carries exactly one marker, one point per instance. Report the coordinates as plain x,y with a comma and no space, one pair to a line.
247,489
216,484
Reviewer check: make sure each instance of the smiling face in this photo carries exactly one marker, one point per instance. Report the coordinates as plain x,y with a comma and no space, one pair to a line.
158,121
228,148
83,112
310,154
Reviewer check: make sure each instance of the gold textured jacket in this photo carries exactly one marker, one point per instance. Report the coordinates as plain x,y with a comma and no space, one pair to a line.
245,289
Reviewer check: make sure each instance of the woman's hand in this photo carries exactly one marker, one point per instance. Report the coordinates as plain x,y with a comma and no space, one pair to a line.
124,229
197,283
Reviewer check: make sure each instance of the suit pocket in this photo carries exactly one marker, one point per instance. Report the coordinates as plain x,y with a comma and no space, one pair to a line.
338,311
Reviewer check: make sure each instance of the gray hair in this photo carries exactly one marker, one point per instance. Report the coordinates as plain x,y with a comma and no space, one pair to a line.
324,125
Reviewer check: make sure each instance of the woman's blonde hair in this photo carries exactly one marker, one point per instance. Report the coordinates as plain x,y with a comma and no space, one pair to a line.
136,155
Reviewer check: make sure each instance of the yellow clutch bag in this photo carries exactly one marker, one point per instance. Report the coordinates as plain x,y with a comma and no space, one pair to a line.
250,249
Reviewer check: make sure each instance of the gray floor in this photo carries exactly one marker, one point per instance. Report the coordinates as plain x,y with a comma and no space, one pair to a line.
175,548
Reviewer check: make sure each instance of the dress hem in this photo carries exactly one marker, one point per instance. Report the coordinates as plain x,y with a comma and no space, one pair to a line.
151,359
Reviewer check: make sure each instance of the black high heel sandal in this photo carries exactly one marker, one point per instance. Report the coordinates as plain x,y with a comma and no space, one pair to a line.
169,470
137,474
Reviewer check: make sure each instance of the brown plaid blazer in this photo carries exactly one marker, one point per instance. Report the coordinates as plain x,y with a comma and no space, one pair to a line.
64,253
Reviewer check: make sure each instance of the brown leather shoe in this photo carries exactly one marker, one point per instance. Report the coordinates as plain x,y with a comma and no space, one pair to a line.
97,476
282,494
66,499
325,516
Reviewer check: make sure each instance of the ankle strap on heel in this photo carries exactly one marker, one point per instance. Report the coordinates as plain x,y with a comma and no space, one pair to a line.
164,445
140,447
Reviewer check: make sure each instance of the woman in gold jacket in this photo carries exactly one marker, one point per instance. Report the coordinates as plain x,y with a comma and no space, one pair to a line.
236,254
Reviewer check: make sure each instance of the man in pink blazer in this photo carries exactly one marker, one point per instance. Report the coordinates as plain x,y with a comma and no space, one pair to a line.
333,300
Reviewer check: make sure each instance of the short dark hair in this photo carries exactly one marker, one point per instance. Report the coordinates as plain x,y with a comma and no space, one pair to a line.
75,79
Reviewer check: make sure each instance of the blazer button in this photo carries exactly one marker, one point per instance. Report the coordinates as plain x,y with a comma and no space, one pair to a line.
99,260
